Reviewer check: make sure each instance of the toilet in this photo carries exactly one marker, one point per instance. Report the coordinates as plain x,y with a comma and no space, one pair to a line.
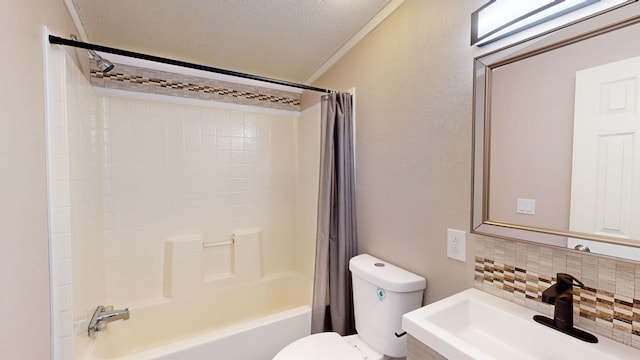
382,293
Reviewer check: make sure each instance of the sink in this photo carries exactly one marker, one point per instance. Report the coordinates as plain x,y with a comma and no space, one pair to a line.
475,325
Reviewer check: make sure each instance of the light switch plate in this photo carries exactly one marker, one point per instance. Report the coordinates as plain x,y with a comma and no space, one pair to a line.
457,244
526,206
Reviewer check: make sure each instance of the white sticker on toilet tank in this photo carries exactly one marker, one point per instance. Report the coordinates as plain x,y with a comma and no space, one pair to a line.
381,294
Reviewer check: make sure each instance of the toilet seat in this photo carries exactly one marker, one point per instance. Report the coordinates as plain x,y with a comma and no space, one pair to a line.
322,346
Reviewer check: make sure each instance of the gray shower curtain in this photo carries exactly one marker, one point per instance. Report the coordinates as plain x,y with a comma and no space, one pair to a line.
336,238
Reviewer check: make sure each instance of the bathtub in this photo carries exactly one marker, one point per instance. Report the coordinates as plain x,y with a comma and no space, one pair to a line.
242,323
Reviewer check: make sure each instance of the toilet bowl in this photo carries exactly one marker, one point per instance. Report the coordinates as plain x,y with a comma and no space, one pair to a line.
329,345
382,293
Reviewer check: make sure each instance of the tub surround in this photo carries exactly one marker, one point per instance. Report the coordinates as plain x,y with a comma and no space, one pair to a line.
145,196
182,266
608,306
185,273
175,172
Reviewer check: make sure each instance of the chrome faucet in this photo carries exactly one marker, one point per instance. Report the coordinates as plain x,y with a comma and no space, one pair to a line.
560,295
103,316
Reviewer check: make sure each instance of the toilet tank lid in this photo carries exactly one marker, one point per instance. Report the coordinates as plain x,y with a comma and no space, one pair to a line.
385,275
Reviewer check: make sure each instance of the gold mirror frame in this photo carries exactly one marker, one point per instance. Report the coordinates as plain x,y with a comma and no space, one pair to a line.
626,14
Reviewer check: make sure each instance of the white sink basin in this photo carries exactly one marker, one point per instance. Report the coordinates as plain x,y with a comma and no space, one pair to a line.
475,325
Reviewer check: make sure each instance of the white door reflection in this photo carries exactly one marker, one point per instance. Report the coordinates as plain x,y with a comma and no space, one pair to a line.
605,190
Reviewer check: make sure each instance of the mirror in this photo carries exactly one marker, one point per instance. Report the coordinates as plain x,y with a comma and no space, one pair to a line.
557,137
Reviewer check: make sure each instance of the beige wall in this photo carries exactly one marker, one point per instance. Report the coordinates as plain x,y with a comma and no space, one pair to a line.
413,80
24,263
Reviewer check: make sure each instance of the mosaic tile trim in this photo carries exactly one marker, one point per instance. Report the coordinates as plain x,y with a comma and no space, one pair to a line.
133,78
609,305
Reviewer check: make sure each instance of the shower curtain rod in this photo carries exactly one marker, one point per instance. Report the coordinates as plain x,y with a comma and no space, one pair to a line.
79,44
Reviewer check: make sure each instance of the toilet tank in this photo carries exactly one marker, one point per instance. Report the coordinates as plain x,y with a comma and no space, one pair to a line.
382,293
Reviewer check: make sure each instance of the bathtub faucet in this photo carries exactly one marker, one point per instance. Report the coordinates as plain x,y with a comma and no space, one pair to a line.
103,316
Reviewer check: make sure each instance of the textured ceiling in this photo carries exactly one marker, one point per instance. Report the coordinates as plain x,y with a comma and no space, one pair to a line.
283,39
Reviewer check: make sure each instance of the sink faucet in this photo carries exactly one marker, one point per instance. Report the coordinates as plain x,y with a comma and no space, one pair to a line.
104,315
560,295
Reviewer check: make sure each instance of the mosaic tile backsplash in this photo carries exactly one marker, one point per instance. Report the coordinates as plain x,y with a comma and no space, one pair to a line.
609,305
138,79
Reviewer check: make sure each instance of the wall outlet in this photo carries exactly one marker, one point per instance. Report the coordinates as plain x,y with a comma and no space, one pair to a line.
457,245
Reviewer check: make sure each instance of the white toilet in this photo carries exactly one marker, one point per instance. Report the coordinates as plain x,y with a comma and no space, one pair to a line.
382,293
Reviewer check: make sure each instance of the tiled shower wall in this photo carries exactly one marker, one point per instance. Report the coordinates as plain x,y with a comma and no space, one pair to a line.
176,170
75,199
609,304
308,173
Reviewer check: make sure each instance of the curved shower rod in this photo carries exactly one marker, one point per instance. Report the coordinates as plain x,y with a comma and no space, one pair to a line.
79,44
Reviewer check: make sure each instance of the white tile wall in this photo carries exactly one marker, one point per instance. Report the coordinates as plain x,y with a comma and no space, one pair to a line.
85,196
175,169
58,199
308,172
74,164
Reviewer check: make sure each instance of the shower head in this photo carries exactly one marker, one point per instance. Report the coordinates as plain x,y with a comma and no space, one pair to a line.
104,65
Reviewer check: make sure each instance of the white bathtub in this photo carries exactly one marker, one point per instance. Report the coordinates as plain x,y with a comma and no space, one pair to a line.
237,324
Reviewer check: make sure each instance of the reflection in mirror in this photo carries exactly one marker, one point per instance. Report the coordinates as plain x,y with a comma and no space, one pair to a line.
557,120
604,198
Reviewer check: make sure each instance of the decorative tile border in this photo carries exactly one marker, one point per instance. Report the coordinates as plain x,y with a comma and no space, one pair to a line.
519,272
133,78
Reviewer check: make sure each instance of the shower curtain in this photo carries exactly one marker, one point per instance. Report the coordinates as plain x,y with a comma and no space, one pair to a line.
336,238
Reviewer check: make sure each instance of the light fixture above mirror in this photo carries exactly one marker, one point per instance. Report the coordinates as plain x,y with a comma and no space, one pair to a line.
502,18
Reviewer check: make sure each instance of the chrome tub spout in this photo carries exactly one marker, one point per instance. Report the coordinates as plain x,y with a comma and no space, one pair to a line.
103,316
